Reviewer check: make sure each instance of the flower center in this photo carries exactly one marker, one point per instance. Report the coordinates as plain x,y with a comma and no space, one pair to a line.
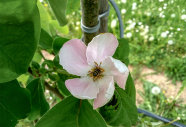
96,72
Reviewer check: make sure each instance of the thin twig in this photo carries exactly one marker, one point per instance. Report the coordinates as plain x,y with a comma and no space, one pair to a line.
54,90
50,88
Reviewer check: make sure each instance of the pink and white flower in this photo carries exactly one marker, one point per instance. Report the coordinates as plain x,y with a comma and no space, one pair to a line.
96,66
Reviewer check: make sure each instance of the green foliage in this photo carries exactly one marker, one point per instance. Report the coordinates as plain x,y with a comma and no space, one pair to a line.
38,101
56,61
58,43
45,17
130,88
59,9
14,103
122,52
62,87
121,111
16,29
72,112
45,40
72,6
18,11
37,56
49,23
176,69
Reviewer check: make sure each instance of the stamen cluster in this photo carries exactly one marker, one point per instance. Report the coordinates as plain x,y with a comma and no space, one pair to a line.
96,72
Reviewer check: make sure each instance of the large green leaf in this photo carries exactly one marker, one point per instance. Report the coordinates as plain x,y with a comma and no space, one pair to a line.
72,112
14,103
121,111
39,103
14,11
122,52
19,34
59,9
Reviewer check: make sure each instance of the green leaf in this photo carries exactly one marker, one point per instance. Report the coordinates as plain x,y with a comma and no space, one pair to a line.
14,103
72,112
39,103
122,52
7,119
14,11
37,56
55,27
121,111
130,88
44,17
23,79
56,62
20,31
45,40
62,87
58,43
59,9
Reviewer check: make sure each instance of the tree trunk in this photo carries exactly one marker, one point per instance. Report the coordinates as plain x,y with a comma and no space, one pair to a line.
104,20
90,12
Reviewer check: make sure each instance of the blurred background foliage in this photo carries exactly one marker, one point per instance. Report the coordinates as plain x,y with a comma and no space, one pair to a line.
156,31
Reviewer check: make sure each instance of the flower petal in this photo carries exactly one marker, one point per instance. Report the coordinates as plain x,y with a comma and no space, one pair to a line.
116,68
82,88
100,47
106,91
73,57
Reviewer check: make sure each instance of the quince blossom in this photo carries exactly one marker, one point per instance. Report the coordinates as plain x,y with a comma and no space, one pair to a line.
96,67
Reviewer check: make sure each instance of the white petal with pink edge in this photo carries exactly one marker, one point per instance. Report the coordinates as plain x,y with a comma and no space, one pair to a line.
101,47
106,91
82,88
116,68
73,57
